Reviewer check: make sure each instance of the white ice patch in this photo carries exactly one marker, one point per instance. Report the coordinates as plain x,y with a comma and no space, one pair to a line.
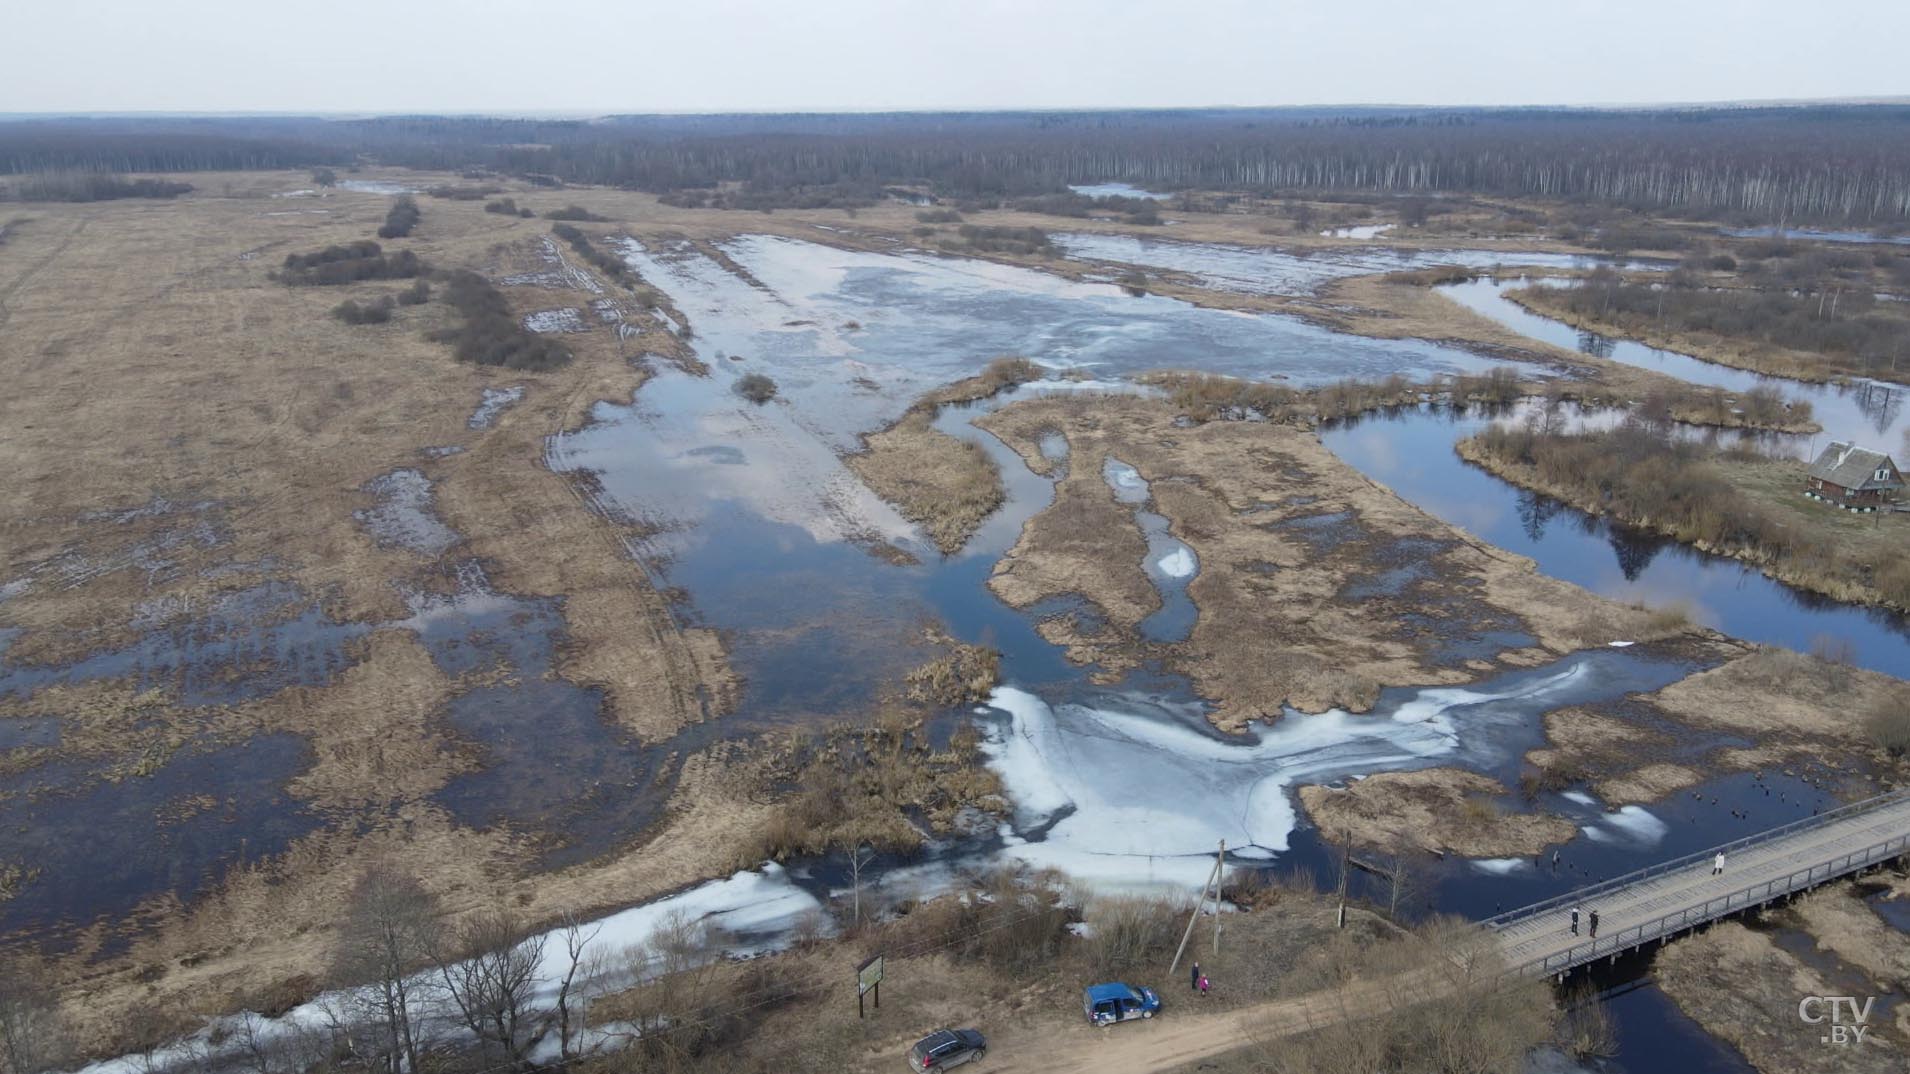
1179,563
1500,866
1622,644
376,186
1128,484
1580,797
1140,798
567,319
753,912
493,402
1632,824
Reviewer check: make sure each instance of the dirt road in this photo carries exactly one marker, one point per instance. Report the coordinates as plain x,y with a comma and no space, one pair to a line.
1176,1040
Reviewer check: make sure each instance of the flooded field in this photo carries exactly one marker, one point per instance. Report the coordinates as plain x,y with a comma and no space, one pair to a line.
745,515
1261,270
1863,411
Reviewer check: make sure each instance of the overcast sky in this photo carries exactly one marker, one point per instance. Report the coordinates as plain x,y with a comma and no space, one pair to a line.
724,55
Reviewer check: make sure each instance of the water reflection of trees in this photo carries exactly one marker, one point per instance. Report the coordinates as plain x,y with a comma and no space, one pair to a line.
1596,345
1880,403
1535,513
1635,550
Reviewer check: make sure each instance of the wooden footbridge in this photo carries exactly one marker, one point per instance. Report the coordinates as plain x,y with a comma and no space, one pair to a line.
1659,902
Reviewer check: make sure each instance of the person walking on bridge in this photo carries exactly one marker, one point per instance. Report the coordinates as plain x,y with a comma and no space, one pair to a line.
1575,921
1717,864
1591,920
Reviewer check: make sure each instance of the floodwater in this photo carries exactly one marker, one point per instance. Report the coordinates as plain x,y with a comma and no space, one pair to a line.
1117,190
1814,233
1865,411
823,592
1267,270
1411,453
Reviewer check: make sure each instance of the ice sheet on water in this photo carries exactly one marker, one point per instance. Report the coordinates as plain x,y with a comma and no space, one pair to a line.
1580,797
1500,866
1631,824
1128,484
1126,790
1179,563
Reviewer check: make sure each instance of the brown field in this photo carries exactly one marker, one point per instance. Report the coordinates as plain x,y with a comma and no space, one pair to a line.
1802,712
1285,534
1438,810
1741,986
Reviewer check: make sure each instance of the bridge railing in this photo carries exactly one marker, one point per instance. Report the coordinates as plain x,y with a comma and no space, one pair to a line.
1711,909
1584,894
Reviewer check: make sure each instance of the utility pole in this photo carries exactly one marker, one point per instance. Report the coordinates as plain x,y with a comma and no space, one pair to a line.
1212,881
1346,865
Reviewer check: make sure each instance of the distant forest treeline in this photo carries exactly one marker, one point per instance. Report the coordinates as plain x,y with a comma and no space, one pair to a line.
1848,163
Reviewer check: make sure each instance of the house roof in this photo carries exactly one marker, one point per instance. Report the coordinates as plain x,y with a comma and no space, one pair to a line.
1852,467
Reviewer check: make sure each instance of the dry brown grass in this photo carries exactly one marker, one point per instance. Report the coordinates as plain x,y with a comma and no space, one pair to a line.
1755,355
1744,989
947,485
1273,626
1438,809
149,355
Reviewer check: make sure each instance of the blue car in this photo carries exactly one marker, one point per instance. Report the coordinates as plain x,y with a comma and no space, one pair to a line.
1106,1004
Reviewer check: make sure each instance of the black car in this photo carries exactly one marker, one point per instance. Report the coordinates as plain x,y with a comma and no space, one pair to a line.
947,1048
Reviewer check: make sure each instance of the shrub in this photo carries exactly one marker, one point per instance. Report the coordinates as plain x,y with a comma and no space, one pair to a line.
939,216
488,333
610,266
1888,723
335,265
756,387
404,216
1007,240
463,193
416,295
575,212
506,206
80,187
374,312
324,177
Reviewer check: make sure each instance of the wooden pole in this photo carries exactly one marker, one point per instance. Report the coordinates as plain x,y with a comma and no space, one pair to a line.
1194,919
1219,862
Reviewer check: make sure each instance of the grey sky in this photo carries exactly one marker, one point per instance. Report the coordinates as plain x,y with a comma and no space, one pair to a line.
724,55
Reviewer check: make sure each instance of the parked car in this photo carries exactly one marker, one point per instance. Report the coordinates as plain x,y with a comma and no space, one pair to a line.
947,1048
1106,1004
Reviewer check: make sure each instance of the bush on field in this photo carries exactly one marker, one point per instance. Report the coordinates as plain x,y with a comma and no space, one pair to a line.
507,207
404,216
488,333
756,388
574,212
374,312
416,295
350,263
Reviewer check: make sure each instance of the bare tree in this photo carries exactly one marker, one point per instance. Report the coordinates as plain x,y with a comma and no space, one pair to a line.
578,970
491,981
31,1037
392,930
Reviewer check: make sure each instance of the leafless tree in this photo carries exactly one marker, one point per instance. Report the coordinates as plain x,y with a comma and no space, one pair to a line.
392,930
31,1037
578,970
490,977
